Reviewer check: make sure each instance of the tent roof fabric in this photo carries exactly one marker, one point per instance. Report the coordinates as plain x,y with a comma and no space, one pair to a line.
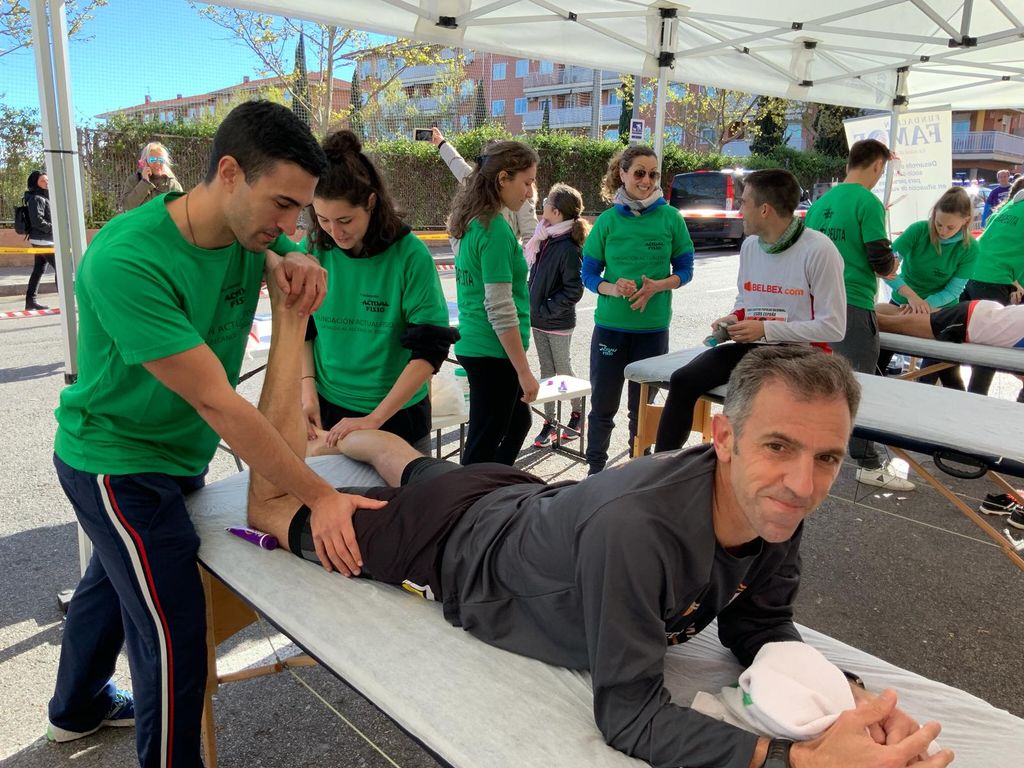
967,54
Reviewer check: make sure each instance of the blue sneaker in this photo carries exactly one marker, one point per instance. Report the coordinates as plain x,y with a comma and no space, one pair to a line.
120,715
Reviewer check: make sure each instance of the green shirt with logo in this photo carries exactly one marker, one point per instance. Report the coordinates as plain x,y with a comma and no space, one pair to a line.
489,254
144,293
928,271
633,246
850,215
370,302
1002,246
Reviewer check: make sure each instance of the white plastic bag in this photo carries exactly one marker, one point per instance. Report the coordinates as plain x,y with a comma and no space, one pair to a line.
445,395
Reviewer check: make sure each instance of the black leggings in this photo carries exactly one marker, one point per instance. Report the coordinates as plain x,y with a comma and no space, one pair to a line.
703,373
498,418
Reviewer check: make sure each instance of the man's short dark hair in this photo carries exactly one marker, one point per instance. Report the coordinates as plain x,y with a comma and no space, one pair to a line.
260,133
775,186
807,372
865,152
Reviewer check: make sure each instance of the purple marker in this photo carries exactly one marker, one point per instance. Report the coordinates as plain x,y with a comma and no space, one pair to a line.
259,538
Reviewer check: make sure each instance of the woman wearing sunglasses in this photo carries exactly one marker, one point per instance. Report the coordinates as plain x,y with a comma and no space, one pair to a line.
153,177
637,252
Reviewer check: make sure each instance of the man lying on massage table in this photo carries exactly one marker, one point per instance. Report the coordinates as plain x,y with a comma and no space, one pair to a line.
601,574
974,322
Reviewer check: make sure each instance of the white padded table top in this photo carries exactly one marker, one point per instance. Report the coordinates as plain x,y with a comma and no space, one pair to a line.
906,414
968,354
473,705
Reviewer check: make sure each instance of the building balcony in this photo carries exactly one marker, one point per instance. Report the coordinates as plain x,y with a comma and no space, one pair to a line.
564,80
988,145
571,117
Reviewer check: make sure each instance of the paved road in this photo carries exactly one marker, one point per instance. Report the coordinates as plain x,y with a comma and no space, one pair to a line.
905,578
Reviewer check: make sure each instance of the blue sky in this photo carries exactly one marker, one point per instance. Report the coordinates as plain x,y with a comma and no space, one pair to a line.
155,47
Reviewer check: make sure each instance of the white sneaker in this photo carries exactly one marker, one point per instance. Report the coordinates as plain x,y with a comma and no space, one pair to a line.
884,477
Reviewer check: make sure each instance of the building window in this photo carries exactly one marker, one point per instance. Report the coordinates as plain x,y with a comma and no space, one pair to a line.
613,97
522,67
468,56
547,67
464,122
466,89
364,68
498,108
498,71
520,106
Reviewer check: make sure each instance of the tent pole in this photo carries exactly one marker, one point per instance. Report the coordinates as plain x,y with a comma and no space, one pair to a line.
899,106
666,61
50,34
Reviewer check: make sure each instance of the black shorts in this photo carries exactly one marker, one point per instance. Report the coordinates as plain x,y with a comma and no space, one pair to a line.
950,324
402,543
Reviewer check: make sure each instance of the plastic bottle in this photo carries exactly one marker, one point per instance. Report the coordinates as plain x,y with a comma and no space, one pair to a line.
463,379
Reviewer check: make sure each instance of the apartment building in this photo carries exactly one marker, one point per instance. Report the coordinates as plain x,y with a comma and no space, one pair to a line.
988,140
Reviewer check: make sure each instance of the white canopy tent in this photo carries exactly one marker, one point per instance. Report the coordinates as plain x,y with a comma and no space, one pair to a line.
888,55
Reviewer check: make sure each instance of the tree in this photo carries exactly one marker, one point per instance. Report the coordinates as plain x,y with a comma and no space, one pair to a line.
769,128
330,48
829,133
479,106
355,115
714,116
21,152
16,22
300,104
626,114
545,118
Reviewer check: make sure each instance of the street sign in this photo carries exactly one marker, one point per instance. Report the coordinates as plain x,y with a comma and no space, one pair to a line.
636,130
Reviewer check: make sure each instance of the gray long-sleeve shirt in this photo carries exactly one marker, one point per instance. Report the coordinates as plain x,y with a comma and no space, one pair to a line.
523,221
602,575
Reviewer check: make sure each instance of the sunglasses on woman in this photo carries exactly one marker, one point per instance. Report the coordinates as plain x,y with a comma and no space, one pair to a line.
640,173
156,159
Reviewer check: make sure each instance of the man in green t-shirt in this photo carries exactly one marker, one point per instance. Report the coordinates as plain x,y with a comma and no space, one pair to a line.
166,295
854,219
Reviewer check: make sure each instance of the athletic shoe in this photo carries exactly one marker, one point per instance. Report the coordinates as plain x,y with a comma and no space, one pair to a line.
998,504
884,477
544,437
120,715
1016,518
572,429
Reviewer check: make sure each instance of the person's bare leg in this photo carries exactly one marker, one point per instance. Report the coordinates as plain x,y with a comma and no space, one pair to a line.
908,325
269,508
387,453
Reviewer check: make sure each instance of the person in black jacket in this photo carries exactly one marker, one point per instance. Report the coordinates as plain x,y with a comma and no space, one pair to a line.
555,257
40,234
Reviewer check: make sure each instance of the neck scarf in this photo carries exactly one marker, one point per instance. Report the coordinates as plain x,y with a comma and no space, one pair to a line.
790,236
636,207
542,233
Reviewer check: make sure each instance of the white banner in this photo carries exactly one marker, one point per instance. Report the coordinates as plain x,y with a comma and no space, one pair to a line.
924,148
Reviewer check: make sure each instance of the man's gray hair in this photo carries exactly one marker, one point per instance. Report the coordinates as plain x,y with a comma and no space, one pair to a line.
808,373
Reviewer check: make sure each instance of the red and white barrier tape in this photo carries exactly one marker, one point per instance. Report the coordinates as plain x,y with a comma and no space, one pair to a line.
29,313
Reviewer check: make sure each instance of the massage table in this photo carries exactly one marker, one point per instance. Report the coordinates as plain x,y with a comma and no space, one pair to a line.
474,706
951,354
903,415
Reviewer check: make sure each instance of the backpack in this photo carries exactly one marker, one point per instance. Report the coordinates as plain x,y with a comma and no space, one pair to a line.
22,223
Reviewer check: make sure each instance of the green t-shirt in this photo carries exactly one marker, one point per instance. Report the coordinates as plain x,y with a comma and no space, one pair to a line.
850,215
490,254
926,271
1002,246
144,293
370,303
633,246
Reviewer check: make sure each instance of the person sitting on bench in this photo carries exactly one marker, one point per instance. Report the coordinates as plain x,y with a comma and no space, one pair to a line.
789,289
603,574
969,322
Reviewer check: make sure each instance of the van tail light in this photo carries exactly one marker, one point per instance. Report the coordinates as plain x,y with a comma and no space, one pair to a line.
728,193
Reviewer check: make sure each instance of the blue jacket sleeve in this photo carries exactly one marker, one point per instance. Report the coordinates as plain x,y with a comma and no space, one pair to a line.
949,294
682,267
591,271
